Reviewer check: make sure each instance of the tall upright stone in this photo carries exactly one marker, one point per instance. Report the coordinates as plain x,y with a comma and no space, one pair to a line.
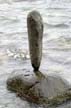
35,35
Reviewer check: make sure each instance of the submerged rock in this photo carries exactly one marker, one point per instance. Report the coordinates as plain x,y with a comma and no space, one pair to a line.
52,90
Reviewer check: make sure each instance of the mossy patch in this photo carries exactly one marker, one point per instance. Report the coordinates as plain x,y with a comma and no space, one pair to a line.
61,98
33,92
34,96
16,85
39,74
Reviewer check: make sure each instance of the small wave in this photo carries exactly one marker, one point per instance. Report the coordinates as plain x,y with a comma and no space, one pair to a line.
56,8
20,0
5,1
10,1
57,25
60,44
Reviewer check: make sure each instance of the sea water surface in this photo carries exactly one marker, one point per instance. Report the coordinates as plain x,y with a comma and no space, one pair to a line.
14,52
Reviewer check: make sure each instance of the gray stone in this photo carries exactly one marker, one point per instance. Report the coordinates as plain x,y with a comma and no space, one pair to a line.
19,79
35,34
53,90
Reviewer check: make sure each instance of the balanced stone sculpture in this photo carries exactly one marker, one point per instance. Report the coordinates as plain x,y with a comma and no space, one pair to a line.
52,90
35,35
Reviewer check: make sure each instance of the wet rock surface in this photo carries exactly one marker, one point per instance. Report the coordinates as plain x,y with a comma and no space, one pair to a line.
51,90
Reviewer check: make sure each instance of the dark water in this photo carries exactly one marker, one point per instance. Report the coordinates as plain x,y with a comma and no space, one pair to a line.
14,53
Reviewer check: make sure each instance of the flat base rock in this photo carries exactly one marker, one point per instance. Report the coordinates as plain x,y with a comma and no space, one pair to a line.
39,88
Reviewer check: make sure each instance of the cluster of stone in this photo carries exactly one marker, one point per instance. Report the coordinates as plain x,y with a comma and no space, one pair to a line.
35,86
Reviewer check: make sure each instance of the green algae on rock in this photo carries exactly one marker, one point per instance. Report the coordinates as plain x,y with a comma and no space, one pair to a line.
35,88
61,98
19,80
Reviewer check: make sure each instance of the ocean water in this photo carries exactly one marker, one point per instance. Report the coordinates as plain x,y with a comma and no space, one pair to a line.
14,52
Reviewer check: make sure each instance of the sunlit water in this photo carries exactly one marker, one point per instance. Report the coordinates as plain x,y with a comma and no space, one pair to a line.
14,53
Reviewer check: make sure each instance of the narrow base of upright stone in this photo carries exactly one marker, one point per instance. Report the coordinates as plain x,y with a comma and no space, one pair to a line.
39,88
